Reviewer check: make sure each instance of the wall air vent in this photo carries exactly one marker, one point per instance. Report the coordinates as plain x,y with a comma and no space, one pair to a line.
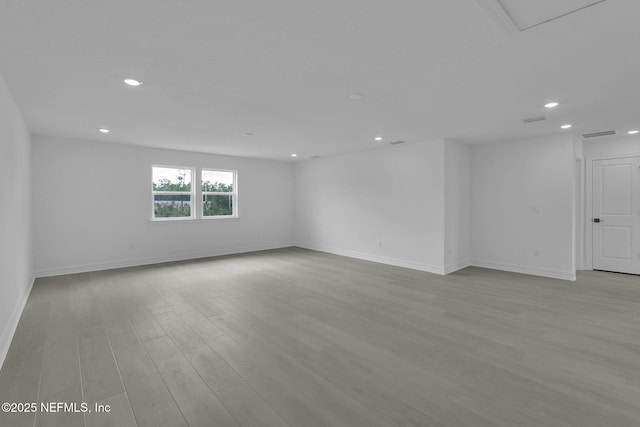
599,134
396,142
534,119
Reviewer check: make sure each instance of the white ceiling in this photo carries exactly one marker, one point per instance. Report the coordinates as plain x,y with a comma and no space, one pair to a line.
527,14
283,70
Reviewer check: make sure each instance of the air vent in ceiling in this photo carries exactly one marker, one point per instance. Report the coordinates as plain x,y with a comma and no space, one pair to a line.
315,157
396,142
534,119
599,134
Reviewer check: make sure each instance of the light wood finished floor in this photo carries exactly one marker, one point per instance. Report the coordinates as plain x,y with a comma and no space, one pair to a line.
299,338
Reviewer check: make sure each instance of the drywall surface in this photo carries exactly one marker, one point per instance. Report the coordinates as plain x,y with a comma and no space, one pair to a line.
92,207
457,196
522,204
580,203
612,147
384,205
16,268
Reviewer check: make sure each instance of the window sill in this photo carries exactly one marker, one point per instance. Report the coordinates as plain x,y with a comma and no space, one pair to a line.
219,217
171,219
207,218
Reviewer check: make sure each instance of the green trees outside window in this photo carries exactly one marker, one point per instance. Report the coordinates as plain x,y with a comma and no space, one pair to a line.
217,193
173,193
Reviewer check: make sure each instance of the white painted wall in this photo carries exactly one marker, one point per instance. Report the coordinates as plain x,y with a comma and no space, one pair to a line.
383,205
611,147
92,207
522,204
579,183
16,267
435,206
457,218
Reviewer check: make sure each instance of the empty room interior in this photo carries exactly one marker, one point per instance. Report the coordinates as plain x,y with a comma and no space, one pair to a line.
327,213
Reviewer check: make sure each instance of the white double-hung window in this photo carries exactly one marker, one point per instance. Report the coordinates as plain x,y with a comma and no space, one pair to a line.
190,193
218,193
173,192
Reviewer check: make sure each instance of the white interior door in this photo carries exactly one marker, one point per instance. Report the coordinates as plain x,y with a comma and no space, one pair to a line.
616,215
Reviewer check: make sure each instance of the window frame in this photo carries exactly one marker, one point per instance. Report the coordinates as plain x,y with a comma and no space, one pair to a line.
196,194
192,194
234,194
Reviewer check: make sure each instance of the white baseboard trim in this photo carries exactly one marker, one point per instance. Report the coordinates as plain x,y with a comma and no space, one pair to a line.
554,274
6,336
455,267
429,268
84,268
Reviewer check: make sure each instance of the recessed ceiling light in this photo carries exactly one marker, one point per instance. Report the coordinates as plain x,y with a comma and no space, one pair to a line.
633,132
294,155
132,82
565,126
551,104
103,130
378,138
356,96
